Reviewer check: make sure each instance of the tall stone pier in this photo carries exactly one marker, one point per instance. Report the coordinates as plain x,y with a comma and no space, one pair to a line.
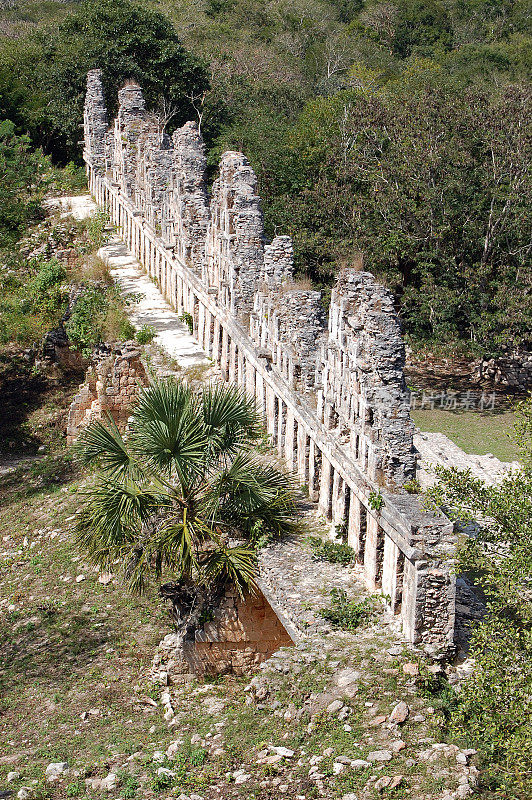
331,385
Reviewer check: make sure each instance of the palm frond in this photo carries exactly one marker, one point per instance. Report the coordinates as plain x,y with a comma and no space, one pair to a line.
233,565
163,401
111,521
230,416
137,570
103,444
174,544
176,449
249,491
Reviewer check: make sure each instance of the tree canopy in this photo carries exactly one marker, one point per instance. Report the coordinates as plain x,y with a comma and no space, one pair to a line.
396,129
22,181
125,40
431,182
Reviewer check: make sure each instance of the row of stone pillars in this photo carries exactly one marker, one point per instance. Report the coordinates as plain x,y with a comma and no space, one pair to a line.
340,502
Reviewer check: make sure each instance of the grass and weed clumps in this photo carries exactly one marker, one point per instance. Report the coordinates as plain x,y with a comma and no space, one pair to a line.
99,315
335,552
146,334
35,285
348,613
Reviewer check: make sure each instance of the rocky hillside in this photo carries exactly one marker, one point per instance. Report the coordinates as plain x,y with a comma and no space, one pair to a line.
85,712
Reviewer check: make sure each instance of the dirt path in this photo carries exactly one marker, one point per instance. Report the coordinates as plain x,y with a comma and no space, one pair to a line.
151,308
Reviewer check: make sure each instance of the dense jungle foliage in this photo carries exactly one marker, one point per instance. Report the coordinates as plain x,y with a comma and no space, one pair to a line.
393,133
494,707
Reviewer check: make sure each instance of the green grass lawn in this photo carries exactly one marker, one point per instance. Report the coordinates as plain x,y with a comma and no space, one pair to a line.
478,432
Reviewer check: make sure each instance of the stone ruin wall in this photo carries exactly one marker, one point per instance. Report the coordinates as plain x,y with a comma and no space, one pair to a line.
331,385
112,384
242,635
512,373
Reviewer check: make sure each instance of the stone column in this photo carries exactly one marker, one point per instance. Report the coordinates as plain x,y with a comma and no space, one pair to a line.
216,344
259,392
270,411
232,362
201,325
290,439
314,468
250,379
302,454
371,551
224,355
207,340
356,530
241,371
389,570
339,499
326,480
281,425
411,620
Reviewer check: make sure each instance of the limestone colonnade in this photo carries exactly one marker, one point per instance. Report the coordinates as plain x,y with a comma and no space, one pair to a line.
331,385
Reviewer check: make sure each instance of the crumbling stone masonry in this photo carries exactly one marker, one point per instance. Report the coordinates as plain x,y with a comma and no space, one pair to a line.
243,634
112,384
332,389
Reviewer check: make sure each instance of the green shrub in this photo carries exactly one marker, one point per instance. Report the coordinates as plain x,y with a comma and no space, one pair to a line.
335,552
46,288
375,501
98,316
131,785
84,326
16,325
197,757
146,334
188,320
96,225
494,705
345,613
70,179
22,184
162,782
493,712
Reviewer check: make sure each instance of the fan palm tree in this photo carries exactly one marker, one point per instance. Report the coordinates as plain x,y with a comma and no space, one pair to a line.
177,494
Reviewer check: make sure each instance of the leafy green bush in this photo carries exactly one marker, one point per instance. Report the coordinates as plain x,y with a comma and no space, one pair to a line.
188,320
68,180
259,536
345,613
98,316
130,787
46,292
494,706
83,327
375,501
162,782
16,324
96,226
22,183
197,756
335,552
146,334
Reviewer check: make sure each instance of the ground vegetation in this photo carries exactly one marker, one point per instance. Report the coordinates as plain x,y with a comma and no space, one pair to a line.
493,707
